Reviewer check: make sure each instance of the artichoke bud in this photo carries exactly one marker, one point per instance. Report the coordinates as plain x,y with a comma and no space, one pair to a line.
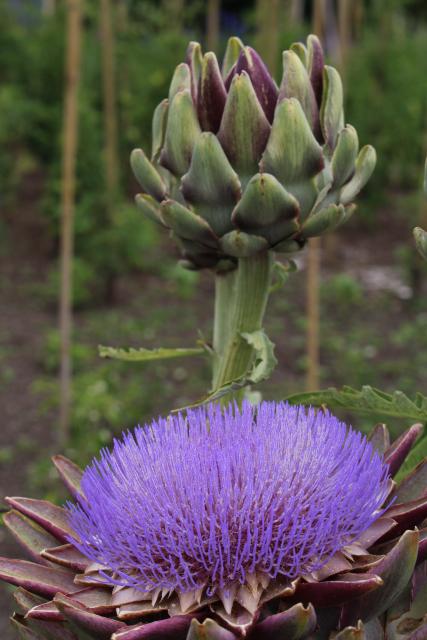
194,61
240,165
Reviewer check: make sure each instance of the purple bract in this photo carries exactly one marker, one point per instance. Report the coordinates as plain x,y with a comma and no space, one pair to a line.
208,498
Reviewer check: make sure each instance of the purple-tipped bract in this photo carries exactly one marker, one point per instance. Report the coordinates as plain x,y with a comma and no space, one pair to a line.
206,499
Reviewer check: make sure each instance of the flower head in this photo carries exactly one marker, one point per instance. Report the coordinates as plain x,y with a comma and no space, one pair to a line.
208,499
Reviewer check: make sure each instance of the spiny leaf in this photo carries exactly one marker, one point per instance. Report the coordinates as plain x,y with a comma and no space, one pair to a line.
367,400
262,365
144,355
281,274
265,360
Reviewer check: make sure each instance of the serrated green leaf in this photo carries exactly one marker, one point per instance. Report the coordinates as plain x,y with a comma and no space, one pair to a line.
265,360
281,274
262,365
367,400
145,355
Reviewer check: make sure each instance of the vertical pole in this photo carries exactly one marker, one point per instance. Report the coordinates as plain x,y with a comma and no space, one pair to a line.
268,24
48,7
358,15
344,30
109,91
296,12
70,133
110,123
212,24
313,313
318,17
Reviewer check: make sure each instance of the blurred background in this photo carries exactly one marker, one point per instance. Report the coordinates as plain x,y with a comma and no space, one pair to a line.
128,289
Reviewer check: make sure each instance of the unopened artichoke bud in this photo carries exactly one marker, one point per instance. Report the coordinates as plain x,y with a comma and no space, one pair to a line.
240,165
260,523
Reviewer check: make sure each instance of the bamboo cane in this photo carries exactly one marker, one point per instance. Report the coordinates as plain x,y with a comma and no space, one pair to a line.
110,123
109,96
313,314
48,8
344,30
70,134
318,18
268,22
212,24
296,13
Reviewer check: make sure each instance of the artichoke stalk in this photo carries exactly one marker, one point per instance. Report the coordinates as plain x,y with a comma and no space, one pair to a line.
242,168
353,563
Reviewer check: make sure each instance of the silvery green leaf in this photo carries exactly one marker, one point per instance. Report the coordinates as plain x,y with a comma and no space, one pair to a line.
145,355
367,400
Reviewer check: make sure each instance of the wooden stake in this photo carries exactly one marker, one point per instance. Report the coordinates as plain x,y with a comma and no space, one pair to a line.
296,13
110,110
110,127
313,313
268,24
212,24
344,30
318,18
70,134
48,8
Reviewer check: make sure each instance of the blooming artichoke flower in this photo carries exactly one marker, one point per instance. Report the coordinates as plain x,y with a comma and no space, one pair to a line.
267,523
240,165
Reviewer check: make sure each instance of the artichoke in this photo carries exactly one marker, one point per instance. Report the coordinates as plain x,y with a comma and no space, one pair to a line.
240,165
357,568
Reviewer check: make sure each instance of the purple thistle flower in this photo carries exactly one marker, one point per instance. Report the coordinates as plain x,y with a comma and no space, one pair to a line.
208,499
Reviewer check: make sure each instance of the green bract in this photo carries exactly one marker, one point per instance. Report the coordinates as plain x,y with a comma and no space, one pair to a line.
240,165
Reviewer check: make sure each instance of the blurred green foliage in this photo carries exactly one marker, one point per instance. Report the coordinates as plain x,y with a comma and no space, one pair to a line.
109,240
386,100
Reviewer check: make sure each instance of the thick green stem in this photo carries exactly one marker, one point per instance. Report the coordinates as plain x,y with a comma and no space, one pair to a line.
239,308
224,292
